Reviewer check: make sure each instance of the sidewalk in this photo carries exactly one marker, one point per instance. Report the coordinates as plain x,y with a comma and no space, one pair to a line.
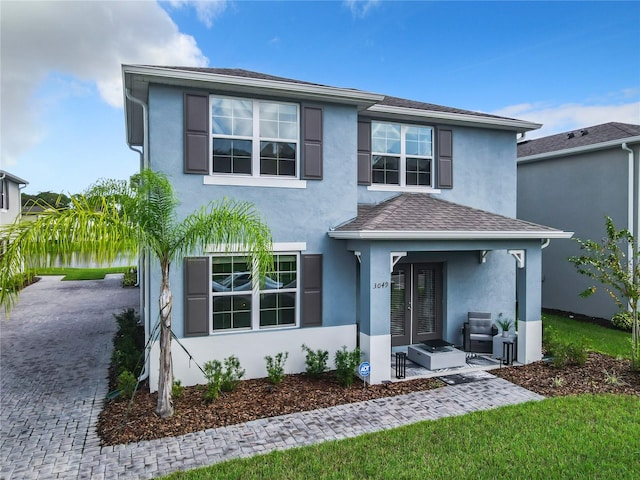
54,354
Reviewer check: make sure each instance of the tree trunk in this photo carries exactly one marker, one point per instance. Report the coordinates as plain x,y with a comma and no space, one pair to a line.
165,381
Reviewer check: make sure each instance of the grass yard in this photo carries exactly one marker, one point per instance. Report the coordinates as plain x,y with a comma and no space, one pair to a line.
564,437
600,339
82,273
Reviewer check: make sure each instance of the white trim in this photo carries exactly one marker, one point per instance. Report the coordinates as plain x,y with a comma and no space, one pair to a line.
461,118
446,235
583,149
237,248
520,257
249,181
252,85
395,258
381,187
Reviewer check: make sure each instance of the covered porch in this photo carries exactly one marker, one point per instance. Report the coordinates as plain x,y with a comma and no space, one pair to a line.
424,263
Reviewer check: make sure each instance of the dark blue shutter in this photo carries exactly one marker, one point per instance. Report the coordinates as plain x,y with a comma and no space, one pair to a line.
445,158
196,133
197,292
311,142
311,287
364,152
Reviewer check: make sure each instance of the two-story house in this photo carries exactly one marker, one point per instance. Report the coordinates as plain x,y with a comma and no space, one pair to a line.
391,219
572,180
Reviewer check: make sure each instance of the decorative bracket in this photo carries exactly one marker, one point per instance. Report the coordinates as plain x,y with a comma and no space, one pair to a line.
358,256
483,255
519,255
395,258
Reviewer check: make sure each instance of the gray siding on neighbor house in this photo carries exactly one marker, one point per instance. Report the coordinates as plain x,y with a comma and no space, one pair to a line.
11,206
574,193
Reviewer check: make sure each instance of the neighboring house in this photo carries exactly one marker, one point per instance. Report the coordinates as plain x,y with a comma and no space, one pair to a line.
30,213
10,197
391,219
572,181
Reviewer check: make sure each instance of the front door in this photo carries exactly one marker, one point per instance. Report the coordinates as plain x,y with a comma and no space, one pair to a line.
416,303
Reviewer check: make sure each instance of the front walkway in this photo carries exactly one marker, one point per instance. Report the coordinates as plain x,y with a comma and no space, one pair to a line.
54,355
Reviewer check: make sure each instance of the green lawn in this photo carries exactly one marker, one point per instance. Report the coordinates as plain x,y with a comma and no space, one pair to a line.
564,437
82,273
602,340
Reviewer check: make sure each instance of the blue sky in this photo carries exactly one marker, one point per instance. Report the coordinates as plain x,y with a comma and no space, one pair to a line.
564,64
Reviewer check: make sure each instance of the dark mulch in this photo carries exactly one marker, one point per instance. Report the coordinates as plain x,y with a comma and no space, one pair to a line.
600,374
255,399
252,399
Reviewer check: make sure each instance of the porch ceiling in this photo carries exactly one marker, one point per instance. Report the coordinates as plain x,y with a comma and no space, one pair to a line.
421,216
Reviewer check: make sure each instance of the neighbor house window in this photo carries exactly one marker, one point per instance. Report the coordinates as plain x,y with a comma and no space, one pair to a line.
241,302
254,137
401,154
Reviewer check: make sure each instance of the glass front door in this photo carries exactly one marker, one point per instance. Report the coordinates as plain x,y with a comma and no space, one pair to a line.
416,303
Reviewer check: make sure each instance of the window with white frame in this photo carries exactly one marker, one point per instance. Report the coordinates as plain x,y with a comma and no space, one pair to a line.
254,137
401,154
240,302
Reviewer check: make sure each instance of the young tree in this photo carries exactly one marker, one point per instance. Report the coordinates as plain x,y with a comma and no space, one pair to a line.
615,263
114,217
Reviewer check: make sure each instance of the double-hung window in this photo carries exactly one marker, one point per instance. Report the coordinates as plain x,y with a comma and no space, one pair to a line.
241,302
254,138
402,154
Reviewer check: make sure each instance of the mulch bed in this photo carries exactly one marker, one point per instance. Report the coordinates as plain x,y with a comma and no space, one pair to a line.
600,374
253,399
257,398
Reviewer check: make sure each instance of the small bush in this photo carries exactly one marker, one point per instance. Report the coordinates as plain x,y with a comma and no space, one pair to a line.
316,362
275,367
622,320
128,344
130,278
126,384
213,374
346,364
176,389
232,374
219,380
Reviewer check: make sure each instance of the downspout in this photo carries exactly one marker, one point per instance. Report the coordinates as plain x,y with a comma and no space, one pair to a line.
630,205
144,294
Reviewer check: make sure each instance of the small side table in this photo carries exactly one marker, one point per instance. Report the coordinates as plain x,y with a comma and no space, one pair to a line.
500,351
509,348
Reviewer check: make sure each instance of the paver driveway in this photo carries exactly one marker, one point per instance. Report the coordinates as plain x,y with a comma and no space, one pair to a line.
54,356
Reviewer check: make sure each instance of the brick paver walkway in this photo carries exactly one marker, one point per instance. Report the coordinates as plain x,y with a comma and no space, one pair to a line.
54,354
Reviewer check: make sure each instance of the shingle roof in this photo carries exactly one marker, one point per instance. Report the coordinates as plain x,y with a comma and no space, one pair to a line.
416,212
388,100
578,138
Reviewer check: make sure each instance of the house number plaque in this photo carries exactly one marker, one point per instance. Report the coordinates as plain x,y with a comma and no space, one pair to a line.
381,285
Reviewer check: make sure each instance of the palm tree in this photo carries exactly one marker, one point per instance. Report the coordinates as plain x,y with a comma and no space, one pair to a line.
113,217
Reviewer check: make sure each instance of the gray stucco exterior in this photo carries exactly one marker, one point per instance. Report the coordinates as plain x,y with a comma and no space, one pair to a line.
574,189
478,273
10,205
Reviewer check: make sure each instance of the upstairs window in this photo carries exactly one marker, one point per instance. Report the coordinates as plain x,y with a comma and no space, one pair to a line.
401,154
254,138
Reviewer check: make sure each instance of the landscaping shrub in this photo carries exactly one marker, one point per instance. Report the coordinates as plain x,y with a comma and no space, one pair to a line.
564,353
130,278
346,364
176,389
219,379
316,362
275,367
622,320
128,344
126,384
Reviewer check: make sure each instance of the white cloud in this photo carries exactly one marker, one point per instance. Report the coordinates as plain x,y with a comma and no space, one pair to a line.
206,10
558,118
87,41
360,8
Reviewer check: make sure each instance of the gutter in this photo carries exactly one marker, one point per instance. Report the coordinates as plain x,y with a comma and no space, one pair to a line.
142,262
631,205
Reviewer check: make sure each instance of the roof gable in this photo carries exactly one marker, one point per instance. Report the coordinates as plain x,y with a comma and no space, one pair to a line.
413,215
598,134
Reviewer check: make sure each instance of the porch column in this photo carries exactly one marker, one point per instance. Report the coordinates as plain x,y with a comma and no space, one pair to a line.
375,328
529,291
